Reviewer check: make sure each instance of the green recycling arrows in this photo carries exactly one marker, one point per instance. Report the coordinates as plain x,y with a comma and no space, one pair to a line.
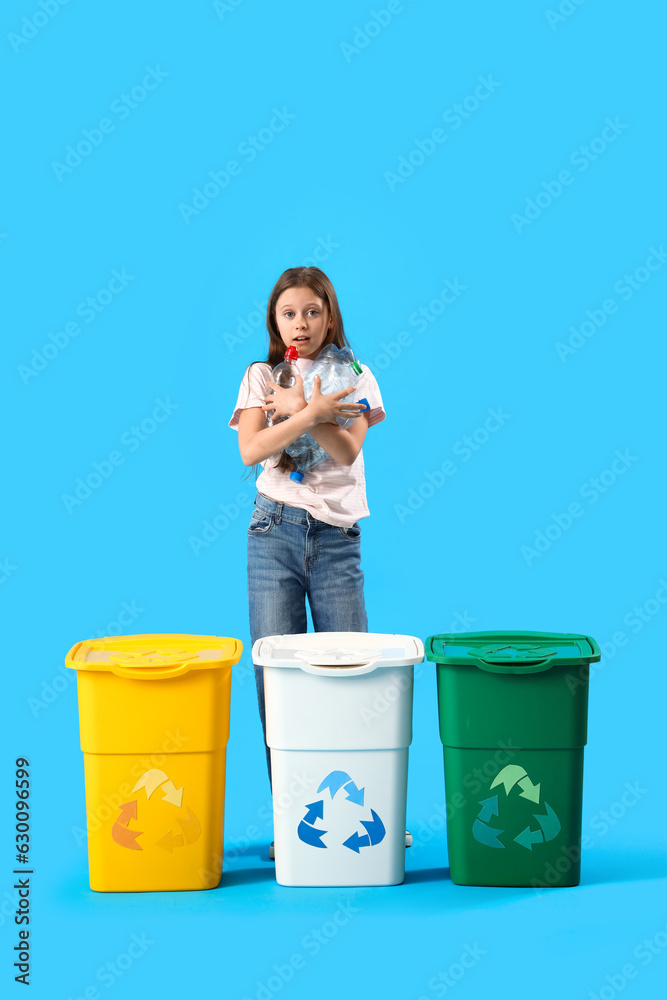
549,825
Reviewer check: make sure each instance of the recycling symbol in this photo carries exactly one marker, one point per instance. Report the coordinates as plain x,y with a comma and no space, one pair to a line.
511,776
183,830
312,835
516,652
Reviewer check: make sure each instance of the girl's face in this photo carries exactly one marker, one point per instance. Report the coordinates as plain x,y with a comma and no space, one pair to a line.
303,320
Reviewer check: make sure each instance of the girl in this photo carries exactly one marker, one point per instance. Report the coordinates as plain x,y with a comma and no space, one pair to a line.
304,538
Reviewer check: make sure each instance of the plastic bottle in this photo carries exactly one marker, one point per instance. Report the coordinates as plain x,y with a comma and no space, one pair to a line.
306,453
284,375
337,369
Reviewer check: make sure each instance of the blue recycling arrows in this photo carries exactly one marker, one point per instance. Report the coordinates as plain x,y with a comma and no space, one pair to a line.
309,835
354,794
315,811
356,841
375,832
374,828
308,832
334,781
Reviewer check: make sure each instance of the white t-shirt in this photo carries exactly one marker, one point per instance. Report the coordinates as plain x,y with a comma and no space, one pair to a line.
331,492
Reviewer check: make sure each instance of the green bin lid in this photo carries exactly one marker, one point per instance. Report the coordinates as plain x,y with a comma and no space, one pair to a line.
511,652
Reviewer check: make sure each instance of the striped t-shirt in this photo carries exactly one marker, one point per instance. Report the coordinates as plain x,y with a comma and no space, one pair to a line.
332,492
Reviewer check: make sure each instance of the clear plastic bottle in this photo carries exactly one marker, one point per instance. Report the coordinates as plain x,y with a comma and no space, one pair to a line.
337,369
284,375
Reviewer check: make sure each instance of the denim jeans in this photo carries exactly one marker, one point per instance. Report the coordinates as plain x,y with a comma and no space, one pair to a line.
291,556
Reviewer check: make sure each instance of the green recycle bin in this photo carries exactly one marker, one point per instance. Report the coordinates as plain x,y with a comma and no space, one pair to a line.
513,712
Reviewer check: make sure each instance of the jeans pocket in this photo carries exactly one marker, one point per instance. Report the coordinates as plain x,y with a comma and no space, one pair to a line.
353,533
260,522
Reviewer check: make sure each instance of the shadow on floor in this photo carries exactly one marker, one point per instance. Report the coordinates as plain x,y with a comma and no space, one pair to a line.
247,876
426,875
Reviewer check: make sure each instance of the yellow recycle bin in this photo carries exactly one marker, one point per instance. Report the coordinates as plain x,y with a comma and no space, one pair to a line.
154,724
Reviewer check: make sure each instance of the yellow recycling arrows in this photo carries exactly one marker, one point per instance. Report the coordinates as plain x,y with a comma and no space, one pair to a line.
190,827
150,780
173,795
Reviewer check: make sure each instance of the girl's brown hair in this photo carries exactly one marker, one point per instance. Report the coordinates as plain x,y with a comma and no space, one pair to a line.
319,283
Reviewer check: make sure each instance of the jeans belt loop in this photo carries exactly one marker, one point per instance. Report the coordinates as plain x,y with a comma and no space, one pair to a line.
278,513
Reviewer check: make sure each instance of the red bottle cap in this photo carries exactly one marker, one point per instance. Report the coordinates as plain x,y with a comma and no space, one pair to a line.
292,353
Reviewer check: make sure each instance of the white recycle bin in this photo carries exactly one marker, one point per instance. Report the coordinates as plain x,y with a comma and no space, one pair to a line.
339,724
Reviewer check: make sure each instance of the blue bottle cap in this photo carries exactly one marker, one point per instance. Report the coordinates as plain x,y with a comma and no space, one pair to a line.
296,476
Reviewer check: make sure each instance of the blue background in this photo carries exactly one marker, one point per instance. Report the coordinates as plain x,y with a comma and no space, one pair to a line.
460,557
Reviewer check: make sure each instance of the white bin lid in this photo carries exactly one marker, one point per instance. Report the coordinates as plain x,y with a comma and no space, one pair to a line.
338,650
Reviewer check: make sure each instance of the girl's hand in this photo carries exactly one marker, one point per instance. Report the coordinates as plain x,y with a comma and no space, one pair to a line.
325,409
286,402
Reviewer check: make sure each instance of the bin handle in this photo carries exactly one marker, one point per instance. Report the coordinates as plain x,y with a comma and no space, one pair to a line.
151,673
363,668
532,667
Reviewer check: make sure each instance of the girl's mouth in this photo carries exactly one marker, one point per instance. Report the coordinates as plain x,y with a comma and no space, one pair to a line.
301,340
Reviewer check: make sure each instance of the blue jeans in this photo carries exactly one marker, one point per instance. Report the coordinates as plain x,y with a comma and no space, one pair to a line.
291,556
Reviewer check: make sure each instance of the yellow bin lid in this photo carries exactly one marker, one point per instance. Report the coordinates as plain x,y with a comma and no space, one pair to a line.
154,656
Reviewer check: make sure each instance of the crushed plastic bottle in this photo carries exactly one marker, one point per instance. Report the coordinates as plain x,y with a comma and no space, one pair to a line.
307,453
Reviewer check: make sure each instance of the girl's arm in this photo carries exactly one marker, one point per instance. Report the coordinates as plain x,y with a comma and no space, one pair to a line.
258,442
342,443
